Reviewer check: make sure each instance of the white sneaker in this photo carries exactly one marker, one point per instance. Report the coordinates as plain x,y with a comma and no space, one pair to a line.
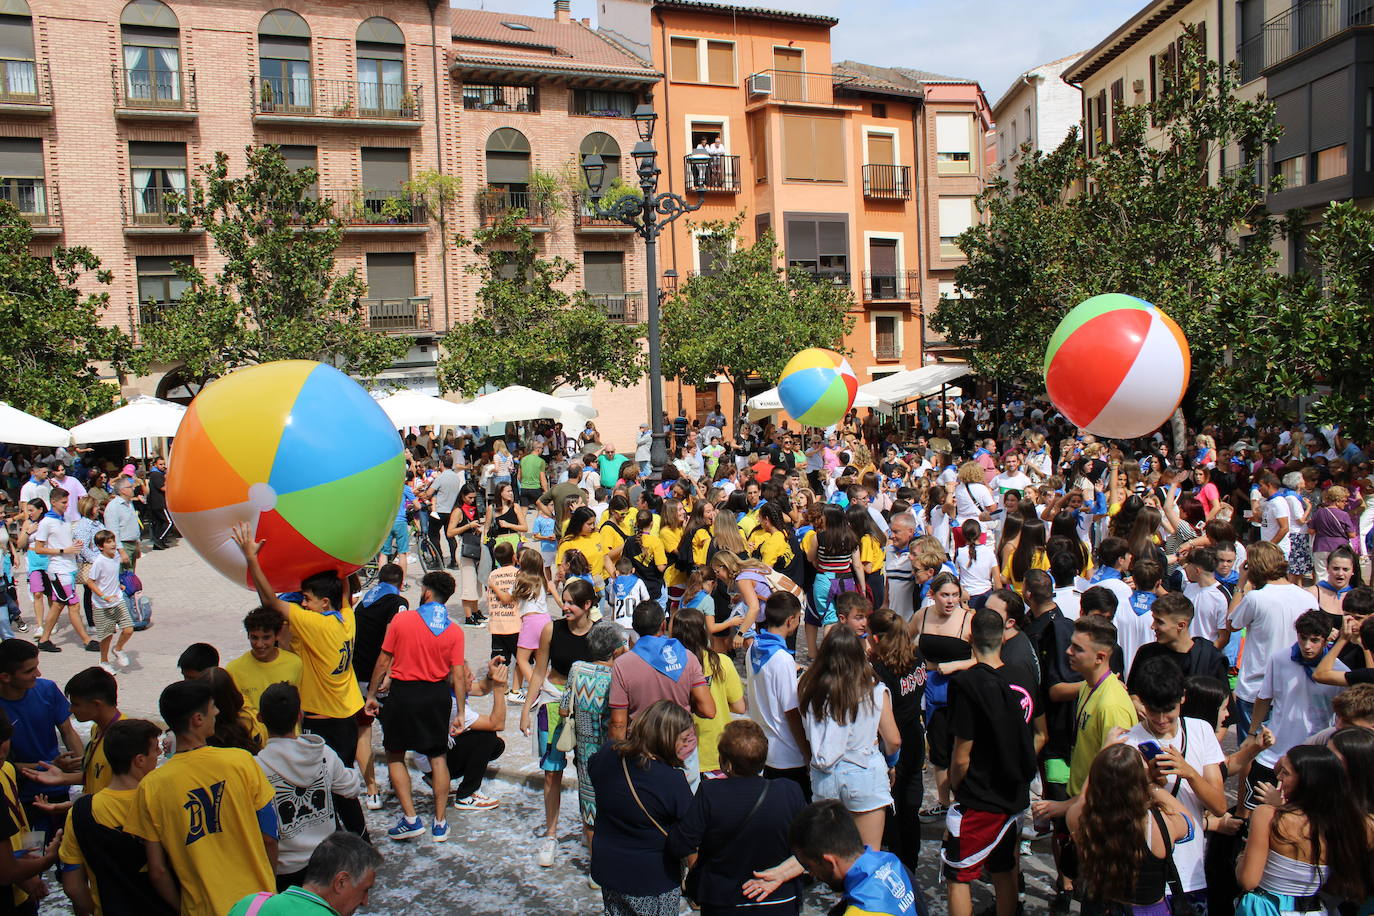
106,666
121,659
373,801
516,696
548,851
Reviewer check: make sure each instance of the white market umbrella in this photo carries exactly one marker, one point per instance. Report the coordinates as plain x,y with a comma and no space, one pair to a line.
144,417
411,408
768,403
19,428
510,405
914,383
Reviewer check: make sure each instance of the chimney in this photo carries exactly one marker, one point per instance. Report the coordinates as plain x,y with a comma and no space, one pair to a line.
562,10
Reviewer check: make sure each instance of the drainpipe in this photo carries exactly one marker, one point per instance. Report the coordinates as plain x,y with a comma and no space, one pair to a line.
918,126
439,158
671,127
1221,68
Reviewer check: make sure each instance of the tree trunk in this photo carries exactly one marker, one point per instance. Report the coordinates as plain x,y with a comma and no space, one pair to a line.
1178,425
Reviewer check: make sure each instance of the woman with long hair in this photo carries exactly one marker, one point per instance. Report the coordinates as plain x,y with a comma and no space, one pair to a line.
1143,539
942,631
725,533
770,541
580,535
235,726
1355,747
1342,570
1029,554
688,627
505,519
1066,526
1008,533
1124,520
846,711
465,524
899,667
503,465
1126,828
835,556
871,544
977,565
1314,842
972,498
746,581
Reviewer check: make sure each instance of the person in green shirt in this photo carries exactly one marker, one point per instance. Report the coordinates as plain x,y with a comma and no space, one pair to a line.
533,477
338,877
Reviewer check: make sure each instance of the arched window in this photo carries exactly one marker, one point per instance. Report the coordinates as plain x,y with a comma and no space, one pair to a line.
151,37
508,159
18,72
381,64
605,146
284,64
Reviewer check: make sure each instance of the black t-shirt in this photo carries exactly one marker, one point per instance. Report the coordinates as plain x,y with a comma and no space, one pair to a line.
1360,676
370,622
1203,658
1051,634
994,708
1020,651
907,692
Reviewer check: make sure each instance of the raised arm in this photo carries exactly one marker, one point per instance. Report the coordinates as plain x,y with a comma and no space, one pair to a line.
243,536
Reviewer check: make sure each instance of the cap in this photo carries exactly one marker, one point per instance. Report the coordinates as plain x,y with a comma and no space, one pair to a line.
128,470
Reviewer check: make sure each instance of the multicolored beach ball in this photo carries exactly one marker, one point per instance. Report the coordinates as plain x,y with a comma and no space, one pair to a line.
817,387
302,453
1117,366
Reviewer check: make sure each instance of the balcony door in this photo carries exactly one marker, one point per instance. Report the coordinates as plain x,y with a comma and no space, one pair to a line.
18,70
158,169
284,64
381,59
787,66
21,175
151,39
882,266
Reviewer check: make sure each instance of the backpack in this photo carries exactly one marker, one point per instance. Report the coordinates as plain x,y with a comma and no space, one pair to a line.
140,611
648,573
780,582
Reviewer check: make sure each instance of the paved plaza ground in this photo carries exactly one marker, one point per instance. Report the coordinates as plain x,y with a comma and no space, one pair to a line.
488,866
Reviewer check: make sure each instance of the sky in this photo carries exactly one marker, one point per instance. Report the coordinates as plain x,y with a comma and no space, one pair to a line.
992,41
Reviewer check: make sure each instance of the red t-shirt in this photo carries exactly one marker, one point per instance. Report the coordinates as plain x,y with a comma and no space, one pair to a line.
419,655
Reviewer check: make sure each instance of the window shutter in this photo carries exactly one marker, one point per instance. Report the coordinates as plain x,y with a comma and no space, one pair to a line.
828,137
1291,110
758,146
1118,99
683,58
882,257
1101,118
953,133
21,158
956,216
278,48
144,155
391,276
1088,121
797,154
16,38
880,151
801,241
385,169
603,273
1329,113
720,63
832,238
299,157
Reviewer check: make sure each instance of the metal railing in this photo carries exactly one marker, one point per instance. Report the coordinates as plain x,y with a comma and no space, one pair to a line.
792,86
1253,171
614,105
1310,22
836,277
34,199
374,207
149,206
500,98
887,182
24,82
586,215
343,99
492,204
720,174
881,285
154,90
1250,53
626,307
887,350
398,315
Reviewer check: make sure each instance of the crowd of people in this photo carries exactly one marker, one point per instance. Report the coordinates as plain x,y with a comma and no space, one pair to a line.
757,661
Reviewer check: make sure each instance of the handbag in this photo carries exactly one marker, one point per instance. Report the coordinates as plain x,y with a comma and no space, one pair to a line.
1179,904
625,767
691,885
470,548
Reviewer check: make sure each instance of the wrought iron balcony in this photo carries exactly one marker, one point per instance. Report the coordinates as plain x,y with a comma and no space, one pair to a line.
342,101
374,208
587,218
154,92
836,277
398,316
25,87
500,98
529,208
887,349
887,285
887,182
720,174
1308,23
626,307
36,201
149,208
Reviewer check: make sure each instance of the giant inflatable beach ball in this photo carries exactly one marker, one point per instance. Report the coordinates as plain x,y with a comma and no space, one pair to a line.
299,451
1117,366
817,387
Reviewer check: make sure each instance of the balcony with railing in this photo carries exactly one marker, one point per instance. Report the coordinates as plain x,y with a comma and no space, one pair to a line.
821,275
25,87
625,307
720,174
156,94
887,182
409,315
1308,23
500,98
588,218
346,103
377,211
887,348
530,209
36,201
880,286
1252,172
146,210
600,103
793,86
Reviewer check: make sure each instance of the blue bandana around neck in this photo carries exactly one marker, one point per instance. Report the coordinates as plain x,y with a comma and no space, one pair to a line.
435,616
1331,588
1141,602
766,645
299,598
1308,666
1104,572
1230,578
664,654
377,592
51,514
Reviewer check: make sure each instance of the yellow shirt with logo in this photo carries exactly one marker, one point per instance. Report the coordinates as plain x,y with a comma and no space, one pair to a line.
771,547
324,643
590,545
110,808
1097,713
252,677
95,766
671,539
202,806
9,788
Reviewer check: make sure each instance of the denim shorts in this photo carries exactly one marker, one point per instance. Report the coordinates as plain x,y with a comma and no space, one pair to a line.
858,788
398,537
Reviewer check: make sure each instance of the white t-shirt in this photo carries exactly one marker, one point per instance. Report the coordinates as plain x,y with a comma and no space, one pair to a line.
1267,615
1004,482
939,526
1301,705
971,499
772,693
56,533
1209,609
855,741
1198,743
975,572
1296,507
1275,509
901,586
1068,598
105,574
1132,630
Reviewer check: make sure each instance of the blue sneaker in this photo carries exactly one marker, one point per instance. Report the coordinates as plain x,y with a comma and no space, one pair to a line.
439,831
405,829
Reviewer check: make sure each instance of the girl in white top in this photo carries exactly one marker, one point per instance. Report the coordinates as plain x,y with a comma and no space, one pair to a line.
977,563
972,498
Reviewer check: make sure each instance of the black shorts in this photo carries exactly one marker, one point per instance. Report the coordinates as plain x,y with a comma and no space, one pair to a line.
416,717
503,645
939,738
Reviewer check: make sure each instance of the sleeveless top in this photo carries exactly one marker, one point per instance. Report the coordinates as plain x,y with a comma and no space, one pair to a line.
1285,875
1152,877
835,565
566,647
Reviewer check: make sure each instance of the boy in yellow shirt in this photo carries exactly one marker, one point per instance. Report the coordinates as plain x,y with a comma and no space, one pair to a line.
265,663
20,876
94,695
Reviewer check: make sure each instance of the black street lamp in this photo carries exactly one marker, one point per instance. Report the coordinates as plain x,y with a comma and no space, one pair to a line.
648,216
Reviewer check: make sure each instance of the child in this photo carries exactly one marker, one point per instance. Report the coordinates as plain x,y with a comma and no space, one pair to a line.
1209,601
852,610
305,775
503,611
107,601
697,592
575,566
198,658
531,594
623,594
1134,623
543,532
94,695
265,663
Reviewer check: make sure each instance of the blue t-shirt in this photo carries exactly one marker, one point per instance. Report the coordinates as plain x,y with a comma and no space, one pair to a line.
407,497
543,526
878,884
35,718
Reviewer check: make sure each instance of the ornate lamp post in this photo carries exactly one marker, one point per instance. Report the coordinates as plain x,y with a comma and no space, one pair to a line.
649,216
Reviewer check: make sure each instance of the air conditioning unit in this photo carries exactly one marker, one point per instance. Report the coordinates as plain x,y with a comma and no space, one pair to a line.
761,84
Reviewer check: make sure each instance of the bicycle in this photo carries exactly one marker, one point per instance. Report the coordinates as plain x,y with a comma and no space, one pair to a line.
430,558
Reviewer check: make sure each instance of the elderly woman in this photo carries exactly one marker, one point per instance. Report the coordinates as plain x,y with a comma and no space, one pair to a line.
641,794
586,701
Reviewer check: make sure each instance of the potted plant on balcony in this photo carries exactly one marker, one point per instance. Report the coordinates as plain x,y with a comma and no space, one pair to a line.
408,104
546,195
491,201
397,210
345,110
434,190
267,96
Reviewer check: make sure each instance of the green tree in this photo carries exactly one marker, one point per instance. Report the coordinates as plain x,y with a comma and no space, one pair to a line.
526,330
1142,217
278,295
748,316
54,331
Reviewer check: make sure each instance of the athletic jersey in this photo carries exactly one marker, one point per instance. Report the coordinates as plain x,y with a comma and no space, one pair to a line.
252,677
202,806
324,643
95,766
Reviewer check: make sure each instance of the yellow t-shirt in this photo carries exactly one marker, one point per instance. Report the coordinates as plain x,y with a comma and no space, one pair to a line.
325,646
202,806
701,546
1098,712
871,554
9,788
772,548
1039,560
653,552
725,690
748,523
612,535
110,808
808,541
672,539
95,766
590,545
252,677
